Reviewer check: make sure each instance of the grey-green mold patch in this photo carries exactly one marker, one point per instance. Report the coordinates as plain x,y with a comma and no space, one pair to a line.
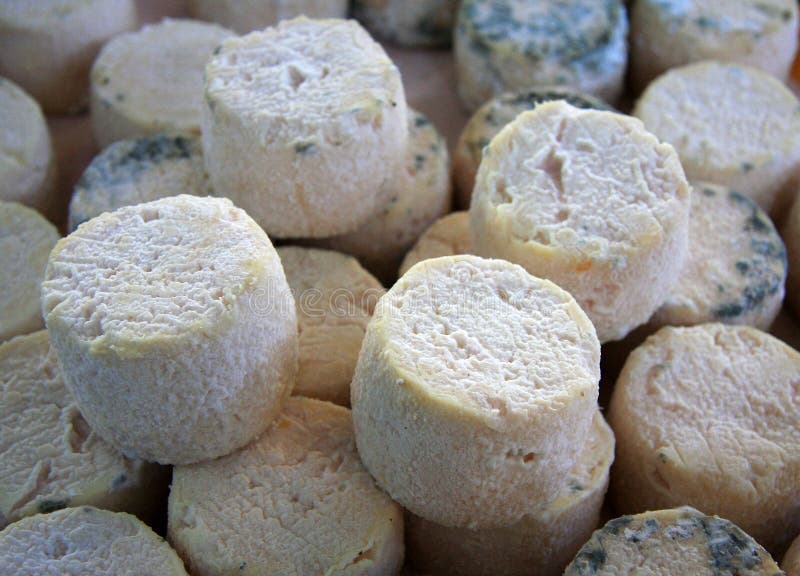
305,148
51,505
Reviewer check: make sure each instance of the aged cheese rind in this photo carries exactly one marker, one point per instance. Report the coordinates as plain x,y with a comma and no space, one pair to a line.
249,15
297,501
423,23
185,287
51,458
448,236
707,416
474,390
151,80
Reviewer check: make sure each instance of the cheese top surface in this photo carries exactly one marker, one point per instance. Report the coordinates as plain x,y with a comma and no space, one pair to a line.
724,18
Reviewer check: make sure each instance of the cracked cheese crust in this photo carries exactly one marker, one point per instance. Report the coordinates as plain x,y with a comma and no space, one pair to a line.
85,541
418,24
248,15
51,458
185,287
140,170
590,200
448,236
151,80
26,239
670,33
474,390
297,501
304,126
506,45
48,47
708,416
543,542
335,298
669,542
791,235
730,124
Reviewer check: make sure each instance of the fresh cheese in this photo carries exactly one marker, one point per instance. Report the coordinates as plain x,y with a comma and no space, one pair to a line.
248,15
448,236
423,23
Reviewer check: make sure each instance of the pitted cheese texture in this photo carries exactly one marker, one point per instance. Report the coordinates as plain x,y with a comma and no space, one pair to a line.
492,116
732,125
297,501
542,542
448,236
707,416
26,239
48,47
508,45
419,24
51,458
249,15
304,126
139,170
474,391
791,236
590,200
85,541
174,327
335,298
672,33
151,80
668,542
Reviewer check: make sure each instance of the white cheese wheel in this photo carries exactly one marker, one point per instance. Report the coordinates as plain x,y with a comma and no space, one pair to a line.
174,327
542,543
475,390
304,126
590,200
420,195
51,458
48,47
448,236
27,165
85,541
708,416
335,298
491,117
418,24
664,35
791,560
507,45
26,239
791,236
139,170
297,501
248,15
669,543
730,124
151,80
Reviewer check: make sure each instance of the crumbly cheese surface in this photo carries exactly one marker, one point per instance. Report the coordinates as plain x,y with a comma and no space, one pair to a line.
707,416
26,239
423,23
448,236
85,541
675,541
51,458
143,169
151,80
297,501
335,298
248,15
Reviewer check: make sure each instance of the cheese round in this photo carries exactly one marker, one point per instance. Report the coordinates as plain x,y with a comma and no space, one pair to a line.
542,542
297,501
448,236
423,23
174,327
48,47
335,298
304,126
151,80
730,124
85,541
664,35
507,45
139,170
26,239
590,200
419,195
791,560
491,117
474,391
668,542
791,236
51,458
708,416
27,165
248,15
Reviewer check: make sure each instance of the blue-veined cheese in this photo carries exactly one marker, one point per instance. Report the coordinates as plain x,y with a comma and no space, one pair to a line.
422,23
448,236
248,15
